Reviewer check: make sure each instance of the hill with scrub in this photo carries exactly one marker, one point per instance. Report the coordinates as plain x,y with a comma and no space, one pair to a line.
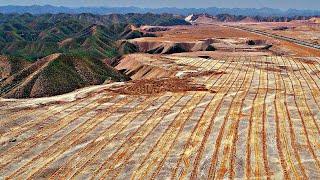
51,54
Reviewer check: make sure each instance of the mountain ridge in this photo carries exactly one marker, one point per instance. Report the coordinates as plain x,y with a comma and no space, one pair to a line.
37,9
53,54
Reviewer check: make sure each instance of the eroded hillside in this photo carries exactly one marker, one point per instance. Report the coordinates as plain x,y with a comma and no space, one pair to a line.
222,117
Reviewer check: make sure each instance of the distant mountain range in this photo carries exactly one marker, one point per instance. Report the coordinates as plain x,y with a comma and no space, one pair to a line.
36,9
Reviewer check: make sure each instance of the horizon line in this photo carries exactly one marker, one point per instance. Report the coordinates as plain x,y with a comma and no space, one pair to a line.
76,7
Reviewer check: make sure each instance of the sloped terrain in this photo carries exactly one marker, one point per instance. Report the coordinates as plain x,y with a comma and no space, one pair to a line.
153,46
201,19
157,46
228,117
239,112
142,66
57,74
35,36
86,43
10,66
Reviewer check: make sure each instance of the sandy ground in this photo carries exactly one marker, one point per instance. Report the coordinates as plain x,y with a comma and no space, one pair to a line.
258,117
303,30
200,32
207,115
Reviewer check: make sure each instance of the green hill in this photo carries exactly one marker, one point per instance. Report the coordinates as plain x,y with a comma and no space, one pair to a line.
51,54
57,74
35,36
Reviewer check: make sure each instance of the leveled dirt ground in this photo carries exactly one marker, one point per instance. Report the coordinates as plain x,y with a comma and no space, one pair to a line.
302,30
192,33
228,115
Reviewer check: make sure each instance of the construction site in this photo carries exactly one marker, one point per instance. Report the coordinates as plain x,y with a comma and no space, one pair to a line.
206,101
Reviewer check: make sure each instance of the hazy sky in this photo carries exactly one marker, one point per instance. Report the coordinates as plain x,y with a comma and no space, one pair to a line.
281,4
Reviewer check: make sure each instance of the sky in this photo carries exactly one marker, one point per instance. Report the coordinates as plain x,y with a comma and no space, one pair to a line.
280,4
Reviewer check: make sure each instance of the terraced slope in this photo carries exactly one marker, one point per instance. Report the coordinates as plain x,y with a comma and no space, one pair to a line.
236,117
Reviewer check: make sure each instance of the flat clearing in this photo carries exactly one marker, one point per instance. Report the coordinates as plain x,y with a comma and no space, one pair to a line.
193,33
236,117
303,30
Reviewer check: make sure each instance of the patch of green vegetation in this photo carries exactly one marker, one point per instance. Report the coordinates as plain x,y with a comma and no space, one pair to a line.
62,74
31,37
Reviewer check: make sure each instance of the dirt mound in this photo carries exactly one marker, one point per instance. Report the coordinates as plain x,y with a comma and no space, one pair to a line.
203,45
203,73
57,74
248,20
315,20
167,47
143,67
280,28
201,19
174,48
131,32
155,86
255,42
154,28
307,60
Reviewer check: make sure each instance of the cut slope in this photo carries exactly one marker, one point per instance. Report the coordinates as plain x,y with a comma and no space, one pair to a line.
154,46
143,66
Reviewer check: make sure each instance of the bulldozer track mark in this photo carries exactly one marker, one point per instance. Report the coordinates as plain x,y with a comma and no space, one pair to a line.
259,118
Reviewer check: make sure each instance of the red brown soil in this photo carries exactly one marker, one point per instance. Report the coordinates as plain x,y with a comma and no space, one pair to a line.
154,46
10,67
248,20
155,86
303,30
203,73
307,61
193,33
221,54
4,67
144,66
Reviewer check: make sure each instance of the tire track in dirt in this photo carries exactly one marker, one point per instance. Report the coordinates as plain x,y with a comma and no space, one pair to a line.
70,138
